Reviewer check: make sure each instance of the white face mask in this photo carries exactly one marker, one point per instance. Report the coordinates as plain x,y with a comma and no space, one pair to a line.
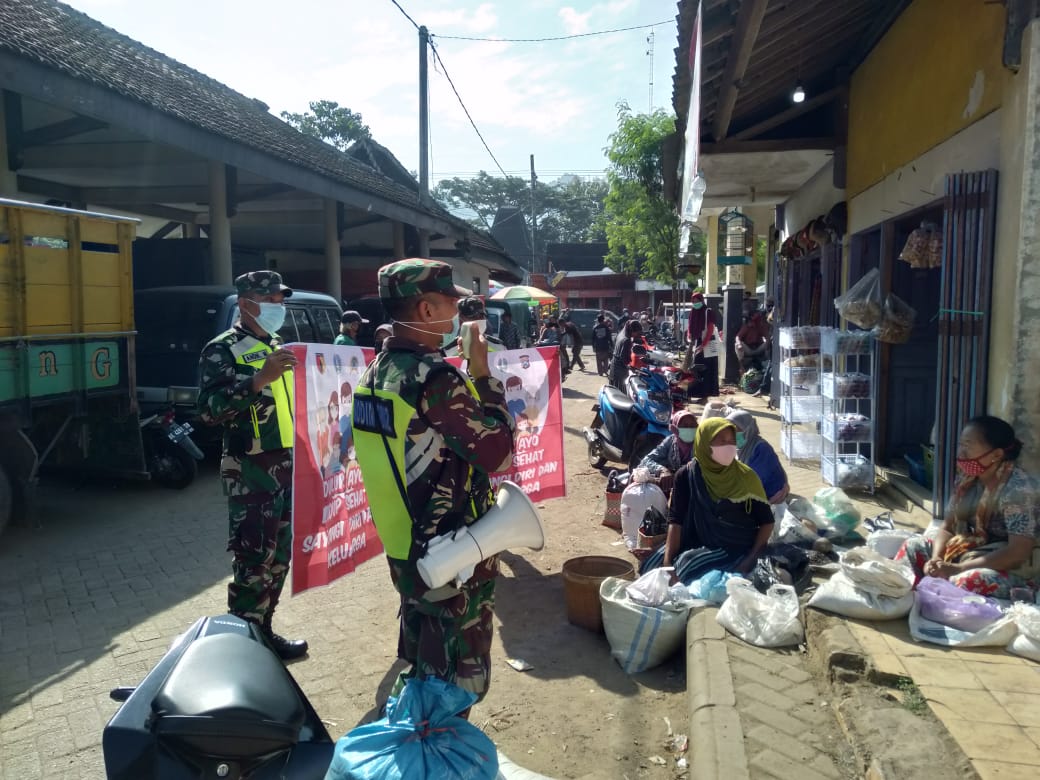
724,454
271,316
447,339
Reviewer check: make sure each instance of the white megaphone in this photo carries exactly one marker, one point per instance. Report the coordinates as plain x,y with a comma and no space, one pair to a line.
511,522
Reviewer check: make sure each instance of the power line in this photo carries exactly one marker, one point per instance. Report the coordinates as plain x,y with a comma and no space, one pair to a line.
553,38
406,16
444,68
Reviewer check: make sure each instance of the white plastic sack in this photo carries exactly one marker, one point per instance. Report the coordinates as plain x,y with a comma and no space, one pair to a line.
635,500
793,531
872,572
888,542
507,770
1027,643
651,588
996,634
840,595
1025,647
766,620
640,637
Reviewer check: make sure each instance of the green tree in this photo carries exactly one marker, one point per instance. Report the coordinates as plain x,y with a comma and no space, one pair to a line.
334,124
564,212
640,223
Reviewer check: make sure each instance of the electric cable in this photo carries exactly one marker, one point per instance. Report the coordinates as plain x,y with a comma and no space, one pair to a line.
552,38
444,69
406,16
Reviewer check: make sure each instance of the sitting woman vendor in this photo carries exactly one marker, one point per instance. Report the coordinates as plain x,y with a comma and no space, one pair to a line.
992,523
718,515
674,451
758,454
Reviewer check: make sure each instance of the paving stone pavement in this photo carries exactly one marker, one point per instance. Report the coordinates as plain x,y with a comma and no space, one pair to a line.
757,713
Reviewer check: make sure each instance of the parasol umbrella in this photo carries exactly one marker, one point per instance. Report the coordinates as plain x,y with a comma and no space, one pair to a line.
523,292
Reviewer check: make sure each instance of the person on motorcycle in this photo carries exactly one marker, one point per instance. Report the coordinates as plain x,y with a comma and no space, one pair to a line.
623,356
674,451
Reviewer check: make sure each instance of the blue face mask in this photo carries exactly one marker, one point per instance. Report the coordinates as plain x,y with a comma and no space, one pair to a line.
271,317
698,305
741,438
447,339
687,435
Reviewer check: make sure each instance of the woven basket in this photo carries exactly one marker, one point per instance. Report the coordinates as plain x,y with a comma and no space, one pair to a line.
612,514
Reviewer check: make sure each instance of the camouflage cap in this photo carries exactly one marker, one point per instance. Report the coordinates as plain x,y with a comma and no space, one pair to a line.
472,307
415,276
262,283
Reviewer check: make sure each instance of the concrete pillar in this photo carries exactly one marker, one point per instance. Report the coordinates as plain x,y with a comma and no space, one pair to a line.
711,260
398,240
189,230
424,243
219,226
1012,382
732,307
333,271
8,178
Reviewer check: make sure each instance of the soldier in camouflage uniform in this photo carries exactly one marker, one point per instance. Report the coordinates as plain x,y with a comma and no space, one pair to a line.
246,385
439,434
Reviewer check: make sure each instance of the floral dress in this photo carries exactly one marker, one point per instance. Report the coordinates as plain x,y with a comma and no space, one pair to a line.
1016,512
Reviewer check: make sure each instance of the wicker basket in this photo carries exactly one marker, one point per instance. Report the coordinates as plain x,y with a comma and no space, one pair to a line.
612,514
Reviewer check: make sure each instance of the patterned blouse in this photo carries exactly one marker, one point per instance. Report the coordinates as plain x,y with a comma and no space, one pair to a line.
1018,508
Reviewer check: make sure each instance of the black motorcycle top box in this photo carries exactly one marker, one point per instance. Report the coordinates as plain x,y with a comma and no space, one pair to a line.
219,704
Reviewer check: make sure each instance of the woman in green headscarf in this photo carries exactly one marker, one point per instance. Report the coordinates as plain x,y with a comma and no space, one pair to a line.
719,517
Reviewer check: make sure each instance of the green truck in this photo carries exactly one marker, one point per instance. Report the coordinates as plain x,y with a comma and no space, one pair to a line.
67,389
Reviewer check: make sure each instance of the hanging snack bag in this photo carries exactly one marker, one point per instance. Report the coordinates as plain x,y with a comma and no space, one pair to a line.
897,321
861,304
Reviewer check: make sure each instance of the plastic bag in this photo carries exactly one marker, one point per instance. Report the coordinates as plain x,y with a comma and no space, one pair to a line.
943,602
861,304
651,588
635,501
888,543
766,620
997,634
421,736
711,586
868,586
836,515
897,321
1027,643
640,637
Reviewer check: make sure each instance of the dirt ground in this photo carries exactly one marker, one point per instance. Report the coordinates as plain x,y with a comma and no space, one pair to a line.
575,713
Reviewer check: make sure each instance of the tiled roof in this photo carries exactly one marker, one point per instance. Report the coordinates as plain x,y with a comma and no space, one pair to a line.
57,36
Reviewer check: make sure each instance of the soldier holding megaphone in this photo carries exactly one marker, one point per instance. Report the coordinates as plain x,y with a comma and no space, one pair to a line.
426,438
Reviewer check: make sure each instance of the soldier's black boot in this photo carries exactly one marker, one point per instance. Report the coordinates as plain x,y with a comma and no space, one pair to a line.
286,649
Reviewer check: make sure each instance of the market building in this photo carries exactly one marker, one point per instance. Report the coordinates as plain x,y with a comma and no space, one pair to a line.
915,142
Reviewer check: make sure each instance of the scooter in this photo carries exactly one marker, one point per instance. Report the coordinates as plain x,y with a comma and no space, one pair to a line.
169,453
629,425
220,704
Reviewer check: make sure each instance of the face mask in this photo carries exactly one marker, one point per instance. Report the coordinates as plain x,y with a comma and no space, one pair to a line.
271,317
687,435
724,454
698,305
972,467
447,339
741,439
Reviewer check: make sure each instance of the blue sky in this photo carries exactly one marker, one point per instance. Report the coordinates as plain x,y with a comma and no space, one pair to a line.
554,100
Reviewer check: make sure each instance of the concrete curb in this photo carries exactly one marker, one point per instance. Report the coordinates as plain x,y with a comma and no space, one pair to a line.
716,736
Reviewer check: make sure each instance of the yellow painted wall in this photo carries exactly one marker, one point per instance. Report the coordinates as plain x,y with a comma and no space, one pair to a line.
937,70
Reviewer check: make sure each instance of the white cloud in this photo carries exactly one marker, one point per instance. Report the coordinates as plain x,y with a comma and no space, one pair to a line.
574,23
481,19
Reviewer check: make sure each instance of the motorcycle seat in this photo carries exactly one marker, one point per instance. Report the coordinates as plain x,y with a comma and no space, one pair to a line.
229,696
619,401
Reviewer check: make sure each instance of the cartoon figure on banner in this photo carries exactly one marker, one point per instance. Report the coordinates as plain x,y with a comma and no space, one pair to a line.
330,455
527,392
321,439
346,434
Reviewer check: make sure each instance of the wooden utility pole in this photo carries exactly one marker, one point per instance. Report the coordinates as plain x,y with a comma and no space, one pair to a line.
424,134
534,178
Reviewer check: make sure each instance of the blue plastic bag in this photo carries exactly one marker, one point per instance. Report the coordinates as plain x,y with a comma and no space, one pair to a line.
712,586
419,738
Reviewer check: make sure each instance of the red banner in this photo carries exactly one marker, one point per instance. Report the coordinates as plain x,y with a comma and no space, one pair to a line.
333,532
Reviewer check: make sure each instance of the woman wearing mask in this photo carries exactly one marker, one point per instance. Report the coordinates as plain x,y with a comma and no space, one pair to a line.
674,451
992,523
758,454
703,333
718,515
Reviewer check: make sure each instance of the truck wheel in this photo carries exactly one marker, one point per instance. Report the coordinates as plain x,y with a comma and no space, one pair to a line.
6,500
170,465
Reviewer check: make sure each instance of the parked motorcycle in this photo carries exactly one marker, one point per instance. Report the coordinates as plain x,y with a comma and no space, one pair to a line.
220,704
629,425
169,453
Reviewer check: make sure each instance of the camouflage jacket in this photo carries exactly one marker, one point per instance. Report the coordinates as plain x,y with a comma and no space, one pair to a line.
451,433
226,395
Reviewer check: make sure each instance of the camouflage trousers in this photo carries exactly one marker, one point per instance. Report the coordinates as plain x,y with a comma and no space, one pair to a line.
259,493
449,639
